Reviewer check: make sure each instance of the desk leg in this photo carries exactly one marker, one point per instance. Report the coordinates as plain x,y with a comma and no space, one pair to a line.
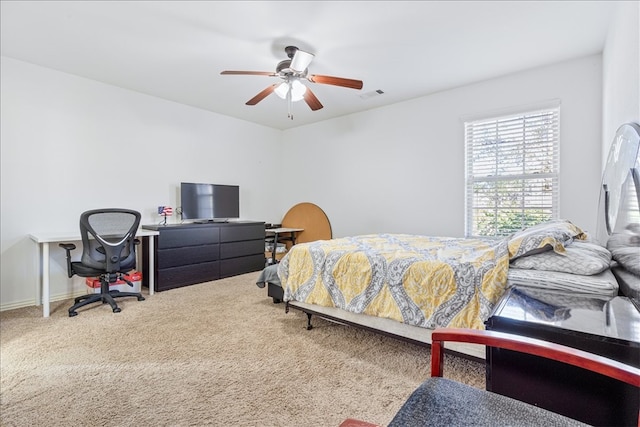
150,260
275,247
45,280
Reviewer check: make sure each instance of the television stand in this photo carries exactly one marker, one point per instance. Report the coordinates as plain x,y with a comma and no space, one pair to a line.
185,254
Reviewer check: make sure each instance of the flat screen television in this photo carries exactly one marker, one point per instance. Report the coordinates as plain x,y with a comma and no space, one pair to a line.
209,202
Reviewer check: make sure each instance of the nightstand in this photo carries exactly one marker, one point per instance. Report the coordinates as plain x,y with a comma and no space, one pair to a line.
605,326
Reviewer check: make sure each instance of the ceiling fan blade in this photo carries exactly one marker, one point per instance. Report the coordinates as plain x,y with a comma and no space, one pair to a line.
301,61
249,73
311,100
336,81
262,95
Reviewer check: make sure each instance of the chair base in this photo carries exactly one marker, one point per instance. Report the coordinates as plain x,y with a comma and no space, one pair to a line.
105,298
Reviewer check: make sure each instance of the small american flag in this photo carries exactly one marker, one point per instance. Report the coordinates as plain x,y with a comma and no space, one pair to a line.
165,210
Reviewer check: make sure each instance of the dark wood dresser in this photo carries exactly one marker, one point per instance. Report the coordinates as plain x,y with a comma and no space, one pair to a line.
605,326
186,254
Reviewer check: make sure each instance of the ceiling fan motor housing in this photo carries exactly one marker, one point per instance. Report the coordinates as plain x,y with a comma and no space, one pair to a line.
290,51
294,66
283,68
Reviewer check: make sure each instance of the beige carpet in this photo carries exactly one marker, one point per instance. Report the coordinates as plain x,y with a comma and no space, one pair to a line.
218,353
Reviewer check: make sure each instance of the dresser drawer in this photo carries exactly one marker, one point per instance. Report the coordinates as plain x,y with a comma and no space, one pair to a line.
240,249
169,278
179,237
175,257
242,232
241,265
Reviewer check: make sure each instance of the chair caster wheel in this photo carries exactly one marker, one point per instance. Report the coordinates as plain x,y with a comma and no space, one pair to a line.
140,298
117,310
72,314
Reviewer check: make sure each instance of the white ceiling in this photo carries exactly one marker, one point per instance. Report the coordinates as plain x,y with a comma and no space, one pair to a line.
176,49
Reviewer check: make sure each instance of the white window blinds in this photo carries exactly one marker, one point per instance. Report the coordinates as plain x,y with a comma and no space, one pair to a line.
511,172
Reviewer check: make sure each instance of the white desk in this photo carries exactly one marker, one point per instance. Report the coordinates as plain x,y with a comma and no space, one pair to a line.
43,239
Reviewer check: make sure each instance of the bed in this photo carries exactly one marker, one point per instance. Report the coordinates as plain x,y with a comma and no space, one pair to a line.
406,285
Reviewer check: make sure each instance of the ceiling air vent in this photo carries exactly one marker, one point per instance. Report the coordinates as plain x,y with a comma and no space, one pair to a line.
371,94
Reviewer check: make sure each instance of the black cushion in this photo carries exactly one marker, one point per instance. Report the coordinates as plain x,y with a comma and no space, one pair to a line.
443,402
85,271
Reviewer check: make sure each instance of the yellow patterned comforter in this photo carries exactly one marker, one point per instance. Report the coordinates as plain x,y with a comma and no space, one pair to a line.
422,281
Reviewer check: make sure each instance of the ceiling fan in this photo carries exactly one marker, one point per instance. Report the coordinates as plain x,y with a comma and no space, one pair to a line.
292,72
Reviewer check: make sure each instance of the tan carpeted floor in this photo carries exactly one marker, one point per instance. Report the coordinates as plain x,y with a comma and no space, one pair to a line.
218,353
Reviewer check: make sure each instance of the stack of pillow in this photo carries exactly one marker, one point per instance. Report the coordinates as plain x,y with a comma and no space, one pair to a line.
559,255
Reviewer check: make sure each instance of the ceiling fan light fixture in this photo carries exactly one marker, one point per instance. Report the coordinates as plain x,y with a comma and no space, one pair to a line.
297,90
282,89
301,61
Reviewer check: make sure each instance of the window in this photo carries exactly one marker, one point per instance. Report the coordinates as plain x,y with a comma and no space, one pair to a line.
511,171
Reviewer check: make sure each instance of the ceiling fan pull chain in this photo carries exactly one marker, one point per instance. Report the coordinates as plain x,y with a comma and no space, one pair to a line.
289,104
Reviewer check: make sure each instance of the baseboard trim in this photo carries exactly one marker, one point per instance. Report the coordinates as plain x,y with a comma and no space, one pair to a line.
31,303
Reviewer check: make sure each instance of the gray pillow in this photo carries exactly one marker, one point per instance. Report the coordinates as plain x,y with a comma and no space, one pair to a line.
579,257
553,234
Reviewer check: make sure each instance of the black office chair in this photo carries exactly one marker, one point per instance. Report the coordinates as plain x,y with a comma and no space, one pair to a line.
108,240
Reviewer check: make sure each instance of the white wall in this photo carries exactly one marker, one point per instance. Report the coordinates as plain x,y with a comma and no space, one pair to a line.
69,144
621,73
401,168
395,169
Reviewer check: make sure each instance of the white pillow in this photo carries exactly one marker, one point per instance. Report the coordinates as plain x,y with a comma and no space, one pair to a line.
579,257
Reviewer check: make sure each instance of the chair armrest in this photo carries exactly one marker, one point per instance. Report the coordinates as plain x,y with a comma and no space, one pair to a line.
68,247
561,353
352,422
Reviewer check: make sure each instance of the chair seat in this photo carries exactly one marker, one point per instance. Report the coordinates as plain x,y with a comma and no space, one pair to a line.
84,271
443,402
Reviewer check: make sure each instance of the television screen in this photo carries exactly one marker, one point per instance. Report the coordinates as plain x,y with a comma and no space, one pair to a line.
209,201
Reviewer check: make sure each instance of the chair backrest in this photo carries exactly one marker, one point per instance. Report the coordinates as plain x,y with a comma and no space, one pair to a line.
108,239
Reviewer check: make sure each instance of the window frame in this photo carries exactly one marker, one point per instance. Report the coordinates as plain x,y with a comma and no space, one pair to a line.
472,143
